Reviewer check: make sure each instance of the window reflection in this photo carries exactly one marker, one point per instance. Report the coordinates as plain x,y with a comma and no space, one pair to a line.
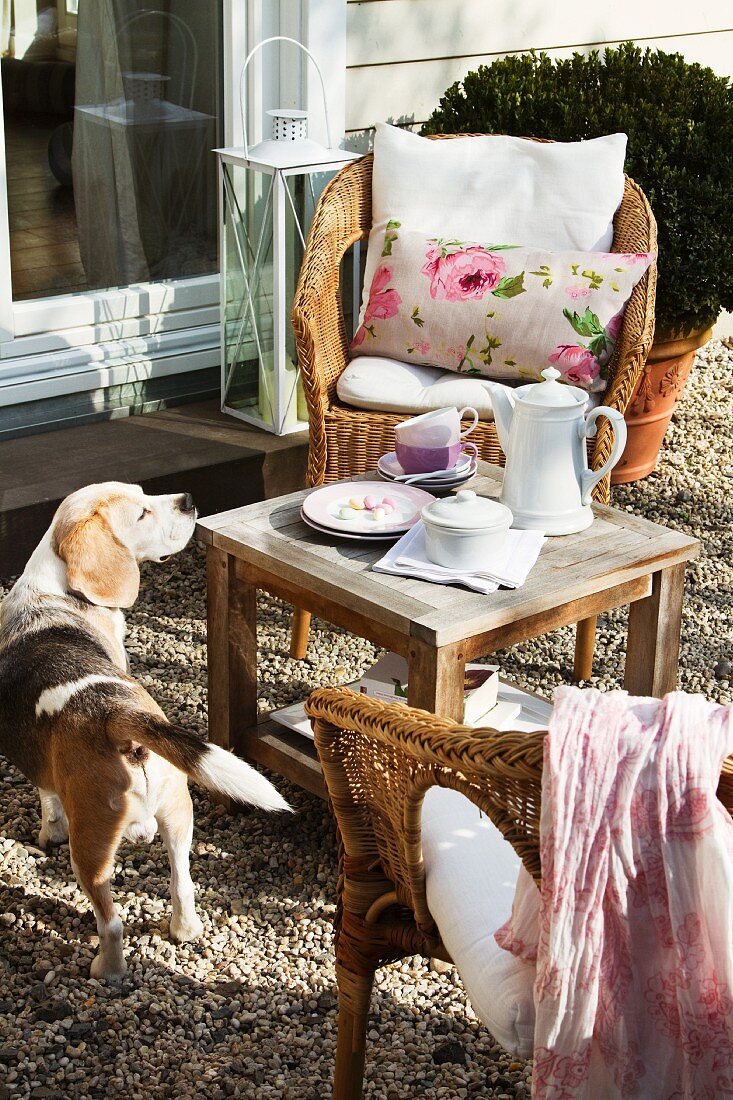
111,112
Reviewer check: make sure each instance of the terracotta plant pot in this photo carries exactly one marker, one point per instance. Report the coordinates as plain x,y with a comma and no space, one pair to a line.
652,403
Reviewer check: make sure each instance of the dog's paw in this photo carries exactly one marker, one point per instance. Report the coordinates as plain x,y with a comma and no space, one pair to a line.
184,929
106,971
53,834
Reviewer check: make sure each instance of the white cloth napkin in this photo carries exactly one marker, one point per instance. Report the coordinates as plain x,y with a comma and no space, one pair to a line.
408,558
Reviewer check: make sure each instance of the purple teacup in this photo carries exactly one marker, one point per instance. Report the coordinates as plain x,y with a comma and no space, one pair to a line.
427,460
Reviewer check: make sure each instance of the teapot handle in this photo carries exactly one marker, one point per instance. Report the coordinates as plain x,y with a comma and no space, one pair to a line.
587,429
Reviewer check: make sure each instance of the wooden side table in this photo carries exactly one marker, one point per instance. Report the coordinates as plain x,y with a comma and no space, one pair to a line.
620,560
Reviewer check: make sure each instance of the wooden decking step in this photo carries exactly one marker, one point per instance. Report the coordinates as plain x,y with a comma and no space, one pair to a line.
193,448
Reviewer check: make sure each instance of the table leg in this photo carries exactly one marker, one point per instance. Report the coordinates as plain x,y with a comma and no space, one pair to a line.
232,651
300,625
435,678
653,645
585,643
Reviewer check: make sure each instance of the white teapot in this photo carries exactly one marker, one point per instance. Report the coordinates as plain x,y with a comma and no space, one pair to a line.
542,430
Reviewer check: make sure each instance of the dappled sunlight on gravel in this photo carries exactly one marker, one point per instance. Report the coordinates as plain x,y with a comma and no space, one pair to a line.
251,1010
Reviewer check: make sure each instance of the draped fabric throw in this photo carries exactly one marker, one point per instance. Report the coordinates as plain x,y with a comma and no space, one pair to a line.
632,932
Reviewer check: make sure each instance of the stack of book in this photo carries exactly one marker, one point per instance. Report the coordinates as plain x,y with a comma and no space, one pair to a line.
488,701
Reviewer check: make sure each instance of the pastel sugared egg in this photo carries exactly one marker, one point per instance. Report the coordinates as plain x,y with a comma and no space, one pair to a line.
347,513
387,509
357,503
379,514
369,503
388,501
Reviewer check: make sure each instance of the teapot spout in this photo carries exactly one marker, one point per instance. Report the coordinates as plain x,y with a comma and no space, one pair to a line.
502,402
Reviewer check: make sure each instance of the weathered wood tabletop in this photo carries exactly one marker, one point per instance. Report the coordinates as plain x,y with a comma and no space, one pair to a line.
621,559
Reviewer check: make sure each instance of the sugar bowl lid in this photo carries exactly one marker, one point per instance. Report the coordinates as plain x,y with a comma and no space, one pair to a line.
468,512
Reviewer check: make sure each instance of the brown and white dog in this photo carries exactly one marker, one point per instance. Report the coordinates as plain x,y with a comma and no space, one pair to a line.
105,759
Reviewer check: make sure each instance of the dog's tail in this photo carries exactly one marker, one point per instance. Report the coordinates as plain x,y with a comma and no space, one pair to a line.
207,764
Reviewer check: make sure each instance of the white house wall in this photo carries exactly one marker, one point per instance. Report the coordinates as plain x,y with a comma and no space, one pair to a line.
403,54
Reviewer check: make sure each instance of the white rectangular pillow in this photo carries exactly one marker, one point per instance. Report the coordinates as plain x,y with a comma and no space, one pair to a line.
553,195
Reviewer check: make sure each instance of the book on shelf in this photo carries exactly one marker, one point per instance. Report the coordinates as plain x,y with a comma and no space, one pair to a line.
387,680
509,707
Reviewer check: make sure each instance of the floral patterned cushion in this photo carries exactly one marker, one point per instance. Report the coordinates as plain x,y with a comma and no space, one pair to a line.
497,310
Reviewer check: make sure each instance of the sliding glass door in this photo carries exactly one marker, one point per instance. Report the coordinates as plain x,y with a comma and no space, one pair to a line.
111,112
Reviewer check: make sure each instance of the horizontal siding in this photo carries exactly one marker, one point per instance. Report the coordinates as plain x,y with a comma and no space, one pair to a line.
383,31
403,54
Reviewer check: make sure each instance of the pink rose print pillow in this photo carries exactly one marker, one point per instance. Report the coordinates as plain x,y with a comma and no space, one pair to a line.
498,310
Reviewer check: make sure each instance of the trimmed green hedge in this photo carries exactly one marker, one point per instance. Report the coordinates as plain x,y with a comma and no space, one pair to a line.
679,119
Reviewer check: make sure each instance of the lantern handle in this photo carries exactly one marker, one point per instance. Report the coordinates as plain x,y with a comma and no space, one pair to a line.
250,55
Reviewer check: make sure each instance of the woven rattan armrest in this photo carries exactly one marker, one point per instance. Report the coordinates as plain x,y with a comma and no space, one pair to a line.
634,230
378,762
342,218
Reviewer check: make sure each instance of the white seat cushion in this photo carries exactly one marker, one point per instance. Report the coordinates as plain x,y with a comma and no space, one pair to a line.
471,875
387,385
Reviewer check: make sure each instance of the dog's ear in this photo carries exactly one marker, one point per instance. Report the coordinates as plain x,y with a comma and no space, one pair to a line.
98,565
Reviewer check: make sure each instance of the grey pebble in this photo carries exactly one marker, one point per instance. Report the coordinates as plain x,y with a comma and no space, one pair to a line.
453,1052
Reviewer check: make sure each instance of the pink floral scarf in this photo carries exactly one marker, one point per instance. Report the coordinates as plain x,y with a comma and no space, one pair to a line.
635,946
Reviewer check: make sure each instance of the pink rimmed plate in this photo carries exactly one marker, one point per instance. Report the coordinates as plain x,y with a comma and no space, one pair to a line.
323,505
363,539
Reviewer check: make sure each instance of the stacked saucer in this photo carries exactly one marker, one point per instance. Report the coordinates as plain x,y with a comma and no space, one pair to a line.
437,481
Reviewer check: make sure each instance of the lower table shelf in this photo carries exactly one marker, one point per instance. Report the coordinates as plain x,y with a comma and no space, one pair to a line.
283,751
294,756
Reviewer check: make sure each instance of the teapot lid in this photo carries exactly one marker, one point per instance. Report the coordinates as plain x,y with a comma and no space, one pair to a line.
467,511
551,393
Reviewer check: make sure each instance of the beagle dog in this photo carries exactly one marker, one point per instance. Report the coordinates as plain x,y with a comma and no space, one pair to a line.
106,761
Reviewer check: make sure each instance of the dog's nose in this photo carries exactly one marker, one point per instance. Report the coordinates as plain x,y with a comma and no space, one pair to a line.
186,504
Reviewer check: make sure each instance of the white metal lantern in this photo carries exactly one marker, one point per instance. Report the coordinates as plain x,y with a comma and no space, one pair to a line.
267,195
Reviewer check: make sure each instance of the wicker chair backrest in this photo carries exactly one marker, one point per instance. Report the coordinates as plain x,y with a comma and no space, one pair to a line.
380,759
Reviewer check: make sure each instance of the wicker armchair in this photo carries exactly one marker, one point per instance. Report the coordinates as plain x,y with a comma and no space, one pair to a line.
345,441
379,760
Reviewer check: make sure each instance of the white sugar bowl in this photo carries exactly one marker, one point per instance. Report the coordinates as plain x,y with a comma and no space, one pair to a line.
466,532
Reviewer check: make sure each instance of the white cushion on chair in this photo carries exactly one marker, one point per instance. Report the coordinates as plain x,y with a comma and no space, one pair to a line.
471,874
388,385
496,189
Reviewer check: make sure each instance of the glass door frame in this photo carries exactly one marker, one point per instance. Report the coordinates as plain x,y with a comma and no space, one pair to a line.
95,325
73,343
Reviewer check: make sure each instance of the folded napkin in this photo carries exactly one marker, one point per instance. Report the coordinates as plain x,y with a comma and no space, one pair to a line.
408,558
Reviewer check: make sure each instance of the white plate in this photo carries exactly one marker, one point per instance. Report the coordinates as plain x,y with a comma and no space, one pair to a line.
323,506
345,534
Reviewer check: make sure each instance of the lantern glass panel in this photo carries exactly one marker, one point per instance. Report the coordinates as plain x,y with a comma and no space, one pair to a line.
299,213
249,292
266,215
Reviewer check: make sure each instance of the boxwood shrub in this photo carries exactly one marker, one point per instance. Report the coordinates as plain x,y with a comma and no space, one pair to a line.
679,119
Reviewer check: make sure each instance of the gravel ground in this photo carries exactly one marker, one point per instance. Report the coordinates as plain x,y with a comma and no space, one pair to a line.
251,1010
